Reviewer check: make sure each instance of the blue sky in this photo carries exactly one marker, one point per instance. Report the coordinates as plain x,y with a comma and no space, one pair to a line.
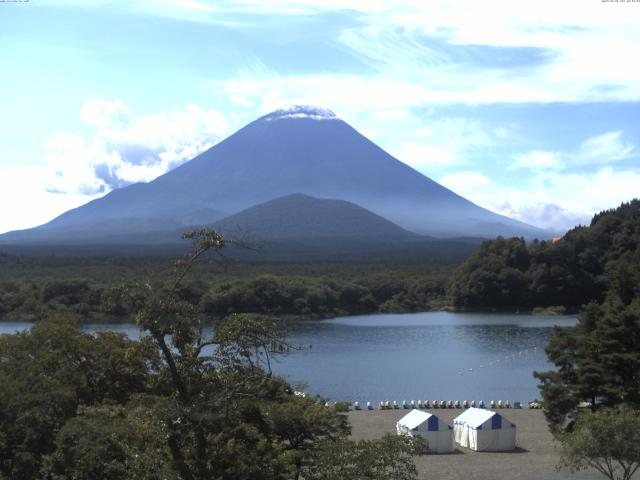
527,108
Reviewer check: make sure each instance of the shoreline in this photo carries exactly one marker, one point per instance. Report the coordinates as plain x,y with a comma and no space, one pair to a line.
287,318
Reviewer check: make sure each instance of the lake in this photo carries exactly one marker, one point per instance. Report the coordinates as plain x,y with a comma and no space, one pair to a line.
432,355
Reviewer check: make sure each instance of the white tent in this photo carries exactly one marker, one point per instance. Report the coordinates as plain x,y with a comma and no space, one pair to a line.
439,435
484,431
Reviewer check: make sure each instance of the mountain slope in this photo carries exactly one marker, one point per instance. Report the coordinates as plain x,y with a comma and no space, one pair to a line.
301,150
302,216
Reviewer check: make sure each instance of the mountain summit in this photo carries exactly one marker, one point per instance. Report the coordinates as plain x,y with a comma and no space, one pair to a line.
301,149
300,111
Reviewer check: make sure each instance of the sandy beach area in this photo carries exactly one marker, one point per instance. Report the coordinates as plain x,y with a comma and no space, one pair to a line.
534,459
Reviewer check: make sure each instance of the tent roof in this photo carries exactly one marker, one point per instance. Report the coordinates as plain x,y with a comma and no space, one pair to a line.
474,417
414,418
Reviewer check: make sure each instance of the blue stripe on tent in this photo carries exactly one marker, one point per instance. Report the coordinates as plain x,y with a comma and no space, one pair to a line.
432,423
496,422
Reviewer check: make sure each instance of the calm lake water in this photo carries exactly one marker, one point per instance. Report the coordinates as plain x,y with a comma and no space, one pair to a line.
433,355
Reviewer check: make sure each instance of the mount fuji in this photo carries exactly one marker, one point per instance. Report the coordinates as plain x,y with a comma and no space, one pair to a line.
300,150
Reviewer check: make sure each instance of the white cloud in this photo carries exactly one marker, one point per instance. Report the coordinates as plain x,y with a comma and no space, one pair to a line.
241,101
605,148
104,114
422,156
123,149
585,47
441,142
26,201
537,160
464,183
545,215
126,148
550,200
559,192
600,149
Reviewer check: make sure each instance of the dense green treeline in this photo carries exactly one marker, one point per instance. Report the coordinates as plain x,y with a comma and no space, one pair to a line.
176,403
301,290
507,274
570,272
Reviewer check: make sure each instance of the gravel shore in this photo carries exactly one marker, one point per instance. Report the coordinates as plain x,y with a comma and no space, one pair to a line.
534,459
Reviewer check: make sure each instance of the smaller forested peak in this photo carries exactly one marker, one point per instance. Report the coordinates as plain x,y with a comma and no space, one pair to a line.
300,111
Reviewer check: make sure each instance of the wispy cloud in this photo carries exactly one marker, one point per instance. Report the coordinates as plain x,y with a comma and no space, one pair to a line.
493,51
605,148
562,201
439,142
600,149
562,188
465,182
125,148
537,160
550,200
448,52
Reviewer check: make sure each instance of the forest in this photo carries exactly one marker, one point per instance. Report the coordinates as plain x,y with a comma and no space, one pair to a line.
174,404
91,287
566,273
503,274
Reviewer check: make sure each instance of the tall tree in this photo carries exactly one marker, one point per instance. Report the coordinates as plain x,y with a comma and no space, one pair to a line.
608,441
47,373
598,361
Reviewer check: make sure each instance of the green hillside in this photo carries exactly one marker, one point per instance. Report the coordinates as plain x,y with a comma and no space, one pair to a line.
570,272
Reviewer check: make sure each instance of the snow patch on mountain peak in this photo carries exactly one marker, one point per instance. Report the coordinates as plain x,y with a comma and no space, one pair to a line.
300,111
